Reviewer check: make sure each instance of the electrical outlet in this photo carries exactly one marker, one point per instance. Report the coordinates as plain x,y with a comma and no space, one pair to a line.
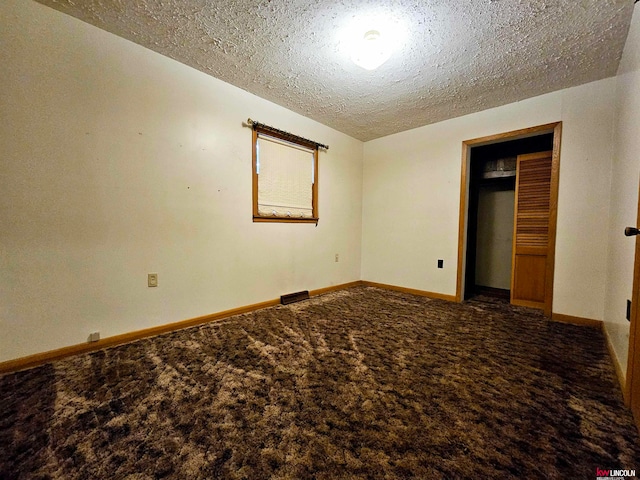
337,257
94,336
440,263
152,279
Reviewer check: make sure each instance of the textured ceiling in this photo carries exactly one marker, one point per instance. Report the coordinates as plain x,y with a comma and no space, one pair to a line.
454,58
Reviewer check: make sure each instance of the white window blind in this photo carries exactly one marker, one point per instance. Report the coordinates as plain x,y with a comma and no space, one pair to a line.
285,178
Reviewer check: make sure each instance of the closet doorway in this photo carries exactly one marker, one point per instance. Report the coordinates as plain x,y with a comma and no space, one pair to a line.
509,180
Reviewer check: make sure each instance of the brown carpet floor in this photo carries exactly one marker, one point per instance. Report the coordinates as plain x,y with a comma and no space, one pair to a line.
362,383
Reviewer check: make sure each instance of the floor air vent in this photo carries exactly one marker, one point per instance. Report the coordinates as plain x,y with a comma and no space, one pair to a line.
294,297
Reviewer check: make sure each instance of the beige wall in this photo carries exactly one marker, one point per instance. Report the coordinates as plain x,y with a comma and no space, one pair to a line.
624,193
495,237
412,196
116,162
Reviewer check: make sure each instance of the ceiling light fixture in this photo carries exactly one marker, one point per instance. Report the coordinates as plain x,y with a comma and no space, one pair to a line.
371,51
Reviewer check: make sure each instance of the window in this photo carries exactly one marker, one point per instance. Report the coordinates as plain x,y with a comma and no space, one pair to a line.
285,177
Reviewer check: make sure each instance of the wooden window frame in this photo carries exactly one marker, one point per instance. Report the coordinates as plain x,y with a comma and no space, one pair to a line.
314,188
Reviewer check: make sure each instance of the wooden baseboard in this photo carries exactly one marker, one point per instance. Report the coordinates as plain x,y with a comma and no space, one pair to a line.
52,355
423,293
58,354
334,288
622,379
585,322
589,322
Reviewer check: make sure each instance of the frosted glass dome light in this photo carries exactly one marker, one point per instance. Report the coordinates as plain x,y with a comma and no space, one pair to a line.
371,51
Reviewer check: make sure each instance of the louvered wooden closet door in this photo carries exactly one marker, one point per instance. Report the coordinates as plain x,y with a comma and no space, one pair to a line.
531,230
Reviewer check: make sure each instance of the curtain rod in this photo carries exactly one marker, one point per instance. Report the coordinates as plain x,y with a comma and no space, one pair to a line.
286,135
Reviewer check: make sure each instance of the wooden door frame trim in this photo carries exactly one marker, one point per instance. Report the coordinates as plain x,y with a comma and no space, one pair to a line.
556,129
635,311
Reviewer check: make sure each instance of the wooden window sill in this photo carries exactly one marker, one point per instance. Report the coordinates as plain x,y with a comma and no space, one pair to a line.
257,218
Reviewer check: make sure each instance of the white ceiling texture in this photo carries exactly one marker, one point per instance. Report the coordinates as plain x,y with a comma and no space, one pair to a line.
452,58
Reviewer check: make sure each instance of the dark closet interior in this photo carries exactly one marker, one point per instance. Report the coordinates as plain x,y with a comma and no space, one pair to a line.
490,215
